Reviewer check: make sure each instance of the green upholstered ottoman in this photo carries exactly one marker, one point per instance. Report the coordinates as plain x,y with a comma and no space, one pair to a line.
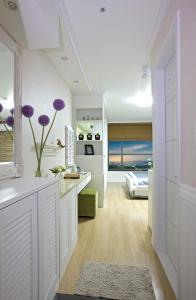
87,202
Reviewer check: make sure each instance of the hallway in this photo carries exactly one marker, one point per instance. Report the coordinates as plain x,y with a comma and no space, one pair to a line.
119,235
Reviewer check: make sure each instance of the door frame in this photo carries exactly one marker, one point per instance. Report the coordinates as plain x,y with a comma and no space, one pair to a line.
159,220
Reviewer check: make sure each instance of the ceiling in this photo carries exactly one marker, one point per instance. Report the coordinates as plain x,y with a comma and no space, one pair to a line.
112,47
100,52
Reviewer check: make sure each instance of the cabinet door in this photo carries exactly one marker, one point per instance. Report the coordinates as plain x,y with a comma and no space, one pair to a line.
48,241
73,216
19,250
64,232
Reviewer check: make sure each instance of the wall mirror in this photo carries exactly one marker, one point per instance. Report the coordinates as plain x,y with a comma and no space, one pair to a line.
10,103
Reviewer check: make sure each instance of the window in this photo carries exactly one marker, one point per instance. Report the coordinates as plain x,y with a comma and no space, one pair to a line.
129,155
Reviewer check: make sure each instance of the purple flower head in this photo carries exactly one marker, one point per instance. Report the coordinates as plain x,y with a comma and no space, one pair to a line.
12,111
1,107
27,111
58,104
43,120
10,121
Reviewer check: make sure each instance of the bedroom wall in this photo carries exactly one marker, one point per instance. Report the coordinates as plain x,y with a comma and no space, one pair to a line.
41,84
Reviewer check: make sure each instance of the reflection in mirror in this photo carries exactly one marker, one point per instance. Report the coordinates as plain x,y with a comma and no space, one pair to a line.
6,104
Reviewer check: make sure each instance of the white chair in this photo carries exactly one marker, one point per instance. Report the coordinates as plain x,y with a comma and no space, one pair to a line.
136,187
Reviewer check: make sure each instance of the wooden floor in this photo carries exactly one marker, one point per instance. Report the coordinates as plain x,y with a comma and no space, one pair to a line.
118,234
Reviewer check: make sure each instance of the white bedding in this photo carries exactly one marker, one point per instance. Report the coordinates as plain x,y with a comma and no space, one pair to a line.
137,183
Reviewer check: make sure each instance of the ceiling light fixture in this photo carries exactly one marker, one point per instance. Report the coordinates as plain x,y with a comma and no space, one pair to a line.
141,99
11,4
102,10
145,70
65,58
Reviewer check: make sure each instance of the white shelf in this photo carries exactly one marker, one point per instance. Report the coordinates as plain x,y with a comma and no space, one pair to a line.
84,141
88,121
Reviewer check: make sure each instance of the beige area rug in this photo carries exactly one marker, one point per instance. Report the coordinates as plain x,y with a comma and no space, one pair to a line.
115,282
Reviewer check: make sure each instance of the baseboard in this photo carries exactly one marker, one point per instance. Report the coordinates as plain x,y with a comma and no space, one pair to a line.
170,271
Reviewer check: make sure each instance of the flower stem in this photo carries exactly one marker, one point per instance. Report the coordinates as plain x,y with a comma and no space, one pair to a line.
35,144
49,130
41,145
6,128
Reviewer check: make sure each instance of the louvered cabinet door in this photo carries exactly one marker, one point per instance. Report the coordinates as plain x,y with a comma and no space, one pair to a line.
73,216
19,250
48,231
64,232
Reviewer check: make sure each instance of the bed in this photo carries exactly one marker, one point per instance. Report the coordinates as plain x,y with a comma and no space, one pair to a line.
137,183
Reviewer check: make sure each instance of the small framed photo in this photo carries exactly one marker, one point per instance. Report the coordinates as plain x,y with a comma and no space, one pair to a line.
89,150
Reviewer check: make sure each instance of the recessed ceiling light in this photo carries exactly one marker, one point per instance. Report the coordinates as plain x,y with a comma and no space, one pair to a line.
76,81
11,4
102,9
65,58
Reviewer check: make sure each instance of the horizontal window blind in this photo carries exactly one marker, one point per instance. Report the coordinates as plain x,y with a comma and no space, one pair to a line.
129,131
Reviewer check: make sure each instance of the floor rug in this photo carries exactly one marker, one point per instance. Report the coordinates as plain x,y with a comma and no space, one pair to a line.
115,282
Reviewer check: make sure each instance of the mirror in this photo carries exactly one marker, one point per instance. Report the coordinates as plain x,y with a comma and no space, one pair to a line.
6,104
10,107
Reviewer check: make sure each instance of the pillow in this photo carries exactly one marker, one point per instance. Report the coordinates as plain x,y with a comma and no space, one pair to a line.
134,178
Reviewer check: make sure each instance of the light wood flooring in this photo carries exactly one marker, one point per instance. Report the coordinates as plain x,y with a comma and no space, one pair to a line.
118,234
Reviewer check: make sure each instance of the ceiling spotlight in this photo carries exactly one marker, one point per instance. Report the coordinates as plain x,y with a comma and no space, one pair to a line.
145,70
102,9
76,81
11,4
65,58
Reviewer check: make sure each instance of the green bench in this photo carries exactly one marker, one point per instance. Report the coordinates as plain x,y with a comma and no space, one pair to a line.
87,202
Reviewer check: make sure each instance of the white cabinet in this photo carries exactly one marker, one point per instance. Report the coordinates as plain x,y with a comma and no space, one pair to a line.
64,233
68,227
73,207
48,242
29,243
19,250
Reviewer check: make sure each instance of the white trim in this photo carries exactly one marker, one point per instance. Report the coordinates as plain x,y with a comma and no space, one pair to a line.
157,24
169,270
63,12
14,169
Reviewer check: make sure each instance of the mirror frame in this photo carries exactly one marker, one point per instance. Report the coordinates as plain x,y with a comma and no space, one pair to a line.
14,169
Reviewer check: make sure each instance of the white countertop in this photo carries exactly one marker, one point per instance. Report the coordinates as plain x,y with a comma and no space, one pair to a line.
11,190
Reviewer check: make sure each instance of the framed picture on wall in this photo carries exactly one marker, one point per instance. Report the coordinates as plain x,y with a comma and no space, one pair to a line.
89,150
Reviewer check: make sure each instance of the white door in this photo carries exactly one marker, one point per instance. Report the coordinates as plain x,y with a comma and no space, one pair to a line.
48,242
19,250
171,144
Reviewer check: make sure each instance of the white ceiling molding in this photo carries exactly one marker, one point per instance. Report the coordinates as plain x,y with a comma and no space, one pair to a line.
157,24
41,23
65,20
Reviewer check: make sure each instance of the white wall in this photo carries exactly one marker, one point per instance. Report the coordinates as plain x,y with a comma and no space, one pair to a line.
41,84
186,202
88,101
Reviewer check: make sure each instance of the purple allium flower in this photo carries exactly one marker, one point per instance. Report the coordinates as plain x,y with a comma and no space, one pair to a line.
27,111
10,121
12,111
43,120
58,104
1,107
